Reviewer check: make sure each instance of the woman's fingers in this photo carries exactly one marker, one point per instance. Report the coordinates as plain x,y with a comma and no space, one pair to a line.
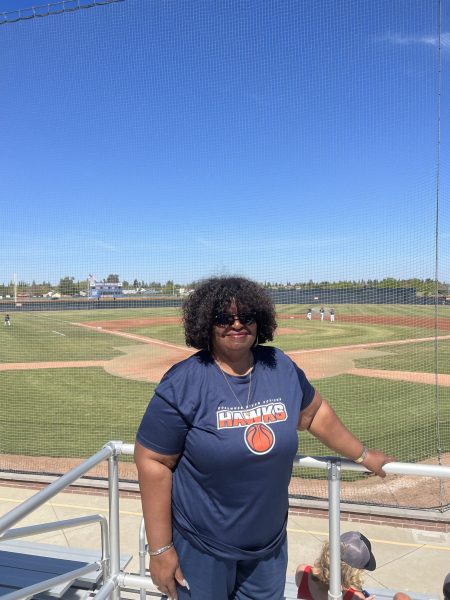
180,579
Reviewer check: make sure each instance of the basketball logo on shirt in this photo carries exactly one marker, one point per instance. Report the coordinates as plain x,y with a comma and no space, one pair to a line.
259,438
256,421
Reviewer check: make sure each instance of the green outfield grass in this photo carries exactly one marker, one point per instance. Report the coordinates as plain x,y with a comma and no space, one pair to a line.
323,334
317,334
52,336
394,415
419,357
397,417
375,310
49,341
173,334
72,412
76,414
82,316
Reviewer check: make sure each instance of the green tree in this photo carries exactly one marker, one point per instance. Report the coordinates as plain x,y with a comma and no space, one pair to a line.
112,278
67,286
169,287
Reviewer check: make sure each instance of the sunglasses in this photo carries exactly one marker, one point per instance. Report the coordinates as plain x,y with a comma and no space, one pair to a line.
228,319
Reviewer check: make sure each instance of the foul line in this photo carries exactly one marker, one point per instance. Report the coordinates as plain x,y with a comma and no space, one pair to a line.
134,336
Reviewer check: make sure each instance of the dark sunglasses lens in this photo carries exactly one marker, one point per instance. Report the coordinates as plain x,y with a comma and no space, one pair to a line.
226,319
247,318
223,319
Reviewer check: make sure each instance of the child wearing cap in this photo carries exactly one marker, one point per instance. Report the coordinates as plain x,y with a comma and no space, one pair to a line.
356,557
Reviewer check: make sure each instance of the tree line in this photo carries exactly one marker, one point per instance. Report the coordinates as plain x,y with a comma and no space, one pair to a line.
426,287
70,286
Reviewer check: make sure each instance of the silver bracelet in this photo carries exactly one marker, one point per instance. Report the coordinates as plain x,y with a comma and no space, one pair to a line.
364,453
160,550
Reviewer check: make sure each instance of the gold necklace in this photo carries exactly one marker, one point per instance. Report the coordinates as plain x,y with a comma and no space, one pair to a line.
245,410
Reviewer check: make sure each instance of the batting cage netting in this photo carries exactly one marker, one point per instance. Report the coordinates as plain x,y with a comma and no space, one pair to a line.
149,144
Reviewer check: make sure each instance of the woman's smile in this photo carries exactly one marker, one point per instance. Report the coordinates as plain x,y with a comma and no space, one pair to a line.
238,334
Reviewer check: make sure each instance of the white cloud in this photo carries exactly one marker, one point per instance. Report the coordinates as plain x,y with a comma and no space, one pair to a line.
104,246
426,40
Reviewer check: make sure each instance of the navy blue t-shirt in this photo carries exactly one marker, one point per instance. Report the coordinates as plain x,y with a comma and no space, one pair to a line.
230,485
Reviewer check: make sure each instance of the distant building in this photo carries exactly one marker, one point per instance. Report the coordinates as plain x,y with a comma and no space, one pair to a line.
99,289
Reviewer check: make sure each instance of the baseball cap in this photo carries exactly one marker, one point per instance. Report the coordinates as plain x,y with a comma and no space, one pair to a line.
446,587
357,551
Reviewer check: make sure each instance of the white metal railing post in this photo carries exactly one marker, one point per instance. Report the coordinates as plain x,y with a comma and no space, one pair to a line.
114,525
142,556
334,531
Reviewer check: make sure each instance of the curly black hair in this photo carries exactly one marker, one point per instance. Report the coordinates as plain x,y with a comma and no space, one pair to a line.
214,295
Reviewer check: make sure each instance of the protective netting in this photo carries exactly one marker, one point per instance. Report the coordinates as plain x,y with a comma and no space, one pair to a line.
303,144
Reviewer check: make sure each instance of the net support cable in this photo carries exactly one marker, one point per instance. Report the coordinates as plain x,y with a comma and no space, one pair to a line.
437,239
54,8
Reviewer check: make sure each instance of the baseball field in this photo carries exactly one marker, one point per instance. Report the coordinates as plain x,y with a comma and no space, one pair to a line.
72,380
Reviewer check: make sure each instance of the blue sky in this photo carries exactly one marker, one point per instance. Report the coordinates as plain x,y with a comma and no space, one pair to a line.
286,141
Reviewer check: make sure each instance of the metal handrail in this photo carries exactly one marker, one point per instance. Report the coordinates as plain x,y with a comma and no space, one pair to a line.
142,555
334,466
43,586
115,580
392,468
31,504
20,532
13,534
40,498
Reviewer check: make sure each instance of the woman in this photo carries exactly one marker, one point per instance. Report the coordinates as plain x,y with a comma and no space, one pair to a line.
356,556
215,449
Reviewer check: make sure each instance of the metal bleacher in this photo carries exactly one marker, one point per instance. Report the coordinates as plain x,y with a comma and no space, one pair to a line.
36,570
25,563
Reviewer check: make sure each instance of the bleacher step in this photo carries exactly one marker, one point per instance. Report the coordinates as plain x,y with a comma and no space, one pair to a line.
24,563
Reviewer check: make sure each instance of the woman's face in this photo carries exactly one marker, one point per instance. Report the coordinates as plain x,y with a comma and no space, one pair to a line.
231,334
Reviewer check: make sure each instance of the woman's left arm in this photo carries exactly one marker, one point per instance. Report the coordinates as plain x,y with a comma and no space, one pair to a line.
324,424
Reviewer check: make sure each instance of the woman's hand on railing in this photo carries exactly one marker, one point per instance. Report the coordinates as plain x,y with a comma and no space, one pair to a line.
375,461
165,572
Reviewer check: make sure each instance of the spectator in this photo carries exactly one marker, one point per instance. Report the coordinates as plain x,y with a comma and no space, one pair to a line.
214,495
356,556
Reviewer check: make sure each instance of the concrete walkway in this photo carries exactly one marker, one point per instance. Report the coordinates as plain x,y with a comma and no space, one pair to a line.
407,559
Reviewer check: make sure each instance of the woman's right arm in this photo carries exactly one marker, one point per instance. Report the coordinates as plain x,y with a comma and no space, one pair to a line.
155,483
